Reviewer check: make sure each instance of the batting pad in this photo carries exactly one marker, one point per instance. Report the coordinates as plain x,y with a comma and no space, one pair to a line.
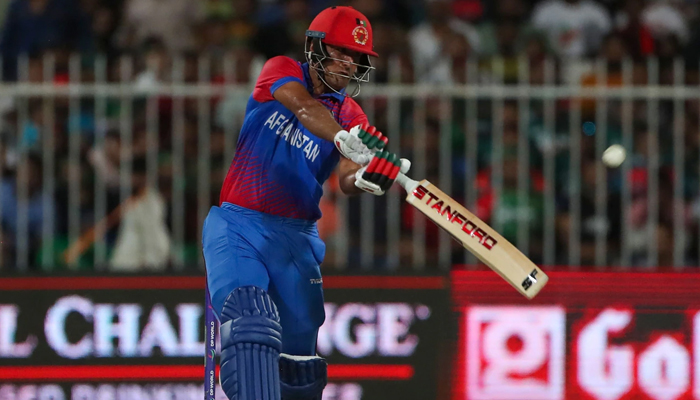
302,378
251,341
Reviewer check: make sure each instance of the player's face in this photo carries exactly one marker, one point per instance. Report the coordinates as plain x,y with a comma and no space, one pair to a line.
341,64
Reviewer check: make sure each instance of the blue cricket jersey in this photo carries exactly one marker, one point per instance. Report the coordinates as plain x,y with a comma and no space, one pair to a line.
280,167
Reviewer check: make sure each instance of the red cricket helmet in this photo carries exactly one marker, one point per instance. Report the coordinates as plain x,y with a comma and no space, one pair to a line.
343,27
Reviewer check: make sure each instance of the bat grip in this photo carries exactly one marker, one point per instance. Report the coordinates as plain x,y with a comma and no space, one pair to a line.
407,183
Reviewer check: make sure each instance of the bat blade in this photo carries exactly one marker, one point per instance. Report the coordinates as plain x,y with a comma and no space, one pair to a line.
479,238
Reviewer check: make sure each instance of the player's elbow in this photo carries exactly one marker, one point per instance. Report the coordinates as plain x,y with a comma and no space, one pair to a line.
347,186
346,177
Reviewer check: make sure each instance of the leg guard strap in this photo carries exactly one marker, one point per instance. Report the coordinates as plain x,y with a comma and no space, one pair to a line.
302,378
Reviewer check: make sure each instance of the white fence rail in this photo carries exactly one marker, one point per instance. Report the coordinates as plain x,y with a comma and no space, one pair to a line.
524,155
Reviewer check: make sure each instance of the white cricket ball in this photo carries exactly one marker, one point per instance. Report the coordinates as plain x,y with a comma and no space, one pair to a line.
614,156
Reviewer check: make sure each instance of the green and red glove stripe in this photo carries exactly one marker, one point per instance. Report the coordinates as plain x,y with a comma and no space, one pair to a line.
386,171
382,140
383,169
374,175
392,167
373,163
372,138
395,172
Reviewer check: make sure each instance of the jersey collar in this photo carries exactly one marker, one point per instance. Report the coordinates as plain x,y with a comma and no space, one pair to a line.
307,79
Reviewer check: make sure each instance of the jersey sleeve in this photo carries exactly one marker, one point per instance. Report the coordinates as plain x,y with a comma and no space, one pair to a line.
351,114
276,72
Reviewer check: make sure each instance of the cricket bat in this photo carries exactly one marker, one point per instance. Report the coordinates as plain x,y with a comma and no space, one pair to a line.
475,235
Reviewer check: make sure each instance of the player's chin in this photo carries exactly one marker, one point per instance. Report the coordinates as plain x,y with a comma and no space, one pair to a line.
339,82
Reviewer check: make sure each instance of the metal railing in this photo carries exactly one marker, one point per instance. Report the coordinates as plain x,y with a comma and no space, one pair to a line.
524,153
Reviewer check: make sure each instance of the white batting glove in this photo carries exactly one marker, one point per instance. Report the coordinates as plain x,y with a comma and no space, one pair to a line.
352,148
365,184
360,144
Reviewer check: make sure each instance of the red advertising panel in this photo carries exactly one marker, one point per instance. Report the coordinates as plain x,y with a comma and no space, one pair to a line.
142,338
588,335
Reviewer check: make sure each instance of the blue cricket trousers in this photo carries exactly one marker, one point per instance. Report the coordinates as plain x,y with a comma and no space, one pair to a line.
243,247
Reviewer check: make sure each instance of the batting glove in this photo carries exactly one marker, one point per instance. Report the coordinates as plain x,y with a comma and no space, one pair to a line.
378,176
360,143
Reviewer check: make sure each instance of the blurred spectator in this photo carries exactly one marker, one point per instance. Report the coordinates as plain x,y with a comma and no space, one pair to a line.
35,69
28,180
287,36
457,53
31,131
469,10
668,48
105,160
397,12
614,52
536,52
215,39
592,224
269,12
506,31
575,27
155,65
173,21
409,215
639,184
506,209
640,231
506,37
242,26
638,38
691,52
372,9
429,42
390,42
105,15
33,26
143,242
664,18
665,244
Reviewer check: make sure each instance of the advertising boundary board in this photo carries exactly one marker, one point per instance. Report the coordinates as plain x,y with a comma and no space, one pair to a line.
589,335
384,334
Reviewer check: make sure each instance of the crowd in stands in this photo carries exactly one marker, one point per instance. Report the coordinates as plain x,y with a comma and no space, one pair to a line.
435,42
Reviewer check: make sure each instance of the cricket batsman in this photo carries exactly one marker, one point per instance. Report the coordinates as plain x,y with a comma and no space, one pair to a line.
261,245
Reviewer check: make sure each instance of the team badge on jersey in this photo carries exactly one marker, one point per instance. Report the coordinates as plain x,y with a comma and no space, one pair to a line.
360,33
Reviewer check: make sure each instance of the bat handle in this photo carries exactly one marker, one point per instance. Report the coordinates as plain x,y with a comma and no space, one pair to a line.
407,183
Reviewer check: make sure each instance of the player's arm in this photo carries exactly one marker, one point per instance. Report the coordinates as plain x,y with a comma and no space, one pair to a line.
346,176
282,79
312,114
357,144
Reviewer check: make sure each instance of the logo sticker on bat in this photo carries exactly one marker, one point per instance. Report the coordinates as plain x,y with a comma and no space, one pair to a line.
530,280
453,216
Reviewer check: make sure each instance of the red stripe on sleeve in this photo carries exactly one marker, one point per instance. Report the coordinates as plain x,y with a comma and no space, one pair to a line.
351,114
